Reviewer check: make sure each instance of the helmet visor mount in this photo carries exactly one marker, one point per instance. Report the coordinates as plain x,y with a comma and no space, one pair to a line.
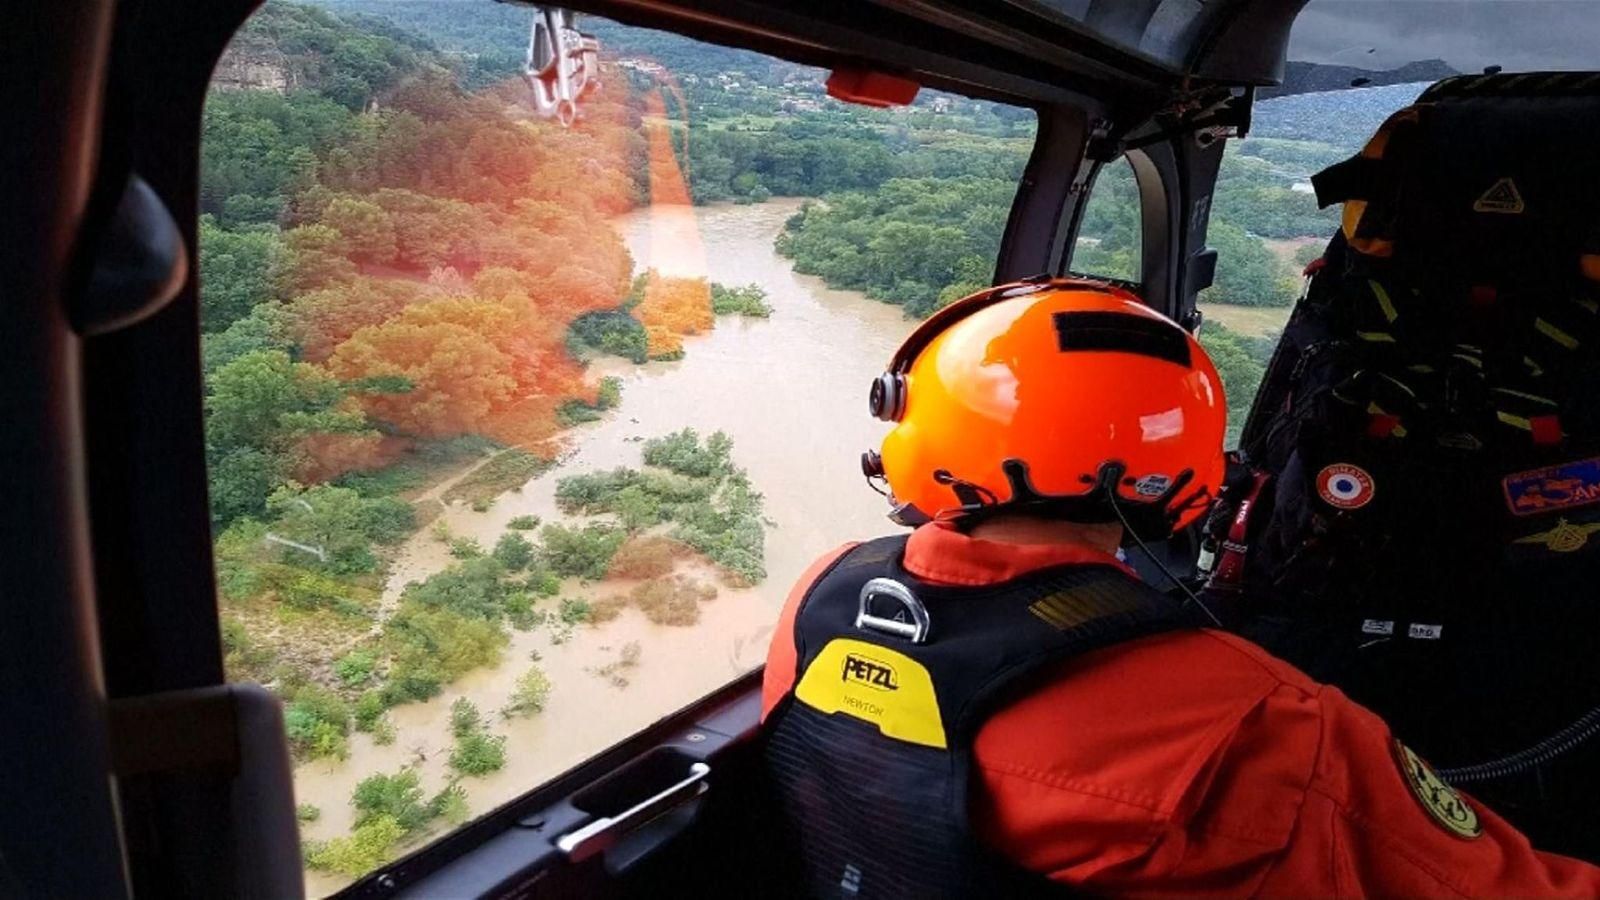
1149,520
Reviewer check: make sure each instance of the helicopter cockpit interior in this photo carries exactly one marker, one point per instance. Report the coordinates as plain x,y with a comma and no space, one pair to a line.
418,411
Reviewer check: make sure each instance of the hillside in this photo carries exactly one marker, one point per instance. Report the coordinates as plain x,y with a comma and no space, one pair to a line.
1308,77
1343,118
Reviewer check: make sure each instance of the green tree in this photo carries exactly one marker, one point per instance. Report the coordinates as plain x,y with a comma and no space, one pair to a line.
1247,272
365,230
238,271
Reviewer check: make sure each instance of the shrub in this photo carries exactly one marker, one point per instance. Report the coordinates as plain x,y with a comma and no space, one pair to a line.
440,531
368,846
616,669
465,548
307,812
575,610
647,557
397,797
482,504
543,583
749,300
242,657
473,588
369,710
478,753
607,608
584,552
432,646
672,601
383,733
523,523
513,551
464,717
356,667
317,723
450,804
681,452
533,689
591,492
519,610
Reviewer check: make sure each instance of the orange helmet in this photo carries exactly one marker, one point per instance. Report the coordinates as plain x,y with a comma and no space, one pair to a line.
1067,397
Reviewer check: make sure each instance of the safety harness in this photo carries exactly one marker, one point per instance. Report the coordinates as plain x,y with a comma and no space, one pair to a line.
871,753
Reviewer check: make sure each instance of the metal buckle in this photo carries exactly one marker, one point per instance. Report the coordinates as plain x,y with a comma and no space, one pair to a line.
915,631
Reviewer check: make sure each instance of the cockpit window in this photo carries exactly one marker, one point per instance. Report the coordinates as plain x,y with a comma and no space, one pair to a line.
1266,227
1110,239
523,417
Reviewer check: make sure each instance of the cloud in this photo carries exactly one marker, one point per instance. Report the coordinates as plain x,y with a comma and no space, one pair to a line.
1468,34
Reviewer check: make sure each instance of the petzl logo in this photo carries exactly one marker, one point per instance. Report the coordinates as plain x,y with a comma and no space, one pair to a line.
870,672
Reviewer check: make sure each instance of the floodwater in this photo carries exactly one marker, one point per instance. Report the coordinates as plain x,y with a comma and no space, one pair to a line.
791,392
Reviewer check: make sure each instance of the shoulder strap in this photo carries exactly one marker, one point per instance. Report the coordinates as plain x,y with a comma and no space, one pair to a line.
979,642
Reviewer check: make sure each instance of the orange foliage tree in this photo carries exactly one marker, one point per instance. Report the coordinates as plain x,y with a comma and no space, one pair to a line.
672,308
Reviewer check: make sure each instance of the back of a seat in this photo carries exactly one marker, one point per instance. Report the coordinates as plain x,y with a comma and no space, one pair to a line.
1430,428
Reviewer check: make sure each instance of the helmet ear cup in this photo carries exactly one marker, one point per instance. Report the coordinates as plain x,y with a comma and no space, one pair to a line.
887,399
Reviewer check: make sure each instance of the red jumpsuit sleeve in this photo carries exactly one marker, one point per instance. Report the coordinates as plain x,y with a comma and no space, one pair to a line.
1391,828
778,678
1196,765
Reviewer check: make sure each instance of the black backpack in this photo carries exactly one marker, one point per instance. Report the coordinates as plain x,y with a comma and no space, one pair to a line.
1415,516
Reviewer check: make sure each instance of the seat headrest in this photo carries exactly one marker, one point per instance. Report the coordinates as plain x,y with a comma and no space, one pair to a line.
1486,180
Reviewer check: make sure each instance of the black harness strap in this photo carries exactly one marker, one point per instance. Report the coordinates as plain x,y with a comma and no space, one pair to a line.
871,752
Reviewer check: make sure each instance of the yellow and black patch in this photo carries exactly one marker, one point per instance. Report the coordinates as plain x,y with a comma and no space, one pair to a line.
1443,803
876,685
1065,610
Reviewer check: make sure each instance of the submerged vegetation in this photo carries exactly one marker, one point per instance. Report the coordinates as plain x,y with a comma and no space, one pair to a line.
691,487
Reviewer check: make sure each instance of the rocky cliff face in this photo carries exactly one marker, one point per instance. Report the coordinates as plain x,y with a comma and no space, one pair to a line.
248,65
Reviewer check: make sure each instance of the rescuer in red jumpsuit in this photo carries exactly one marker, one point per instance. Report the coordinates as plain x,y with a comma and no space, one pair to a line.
1035,425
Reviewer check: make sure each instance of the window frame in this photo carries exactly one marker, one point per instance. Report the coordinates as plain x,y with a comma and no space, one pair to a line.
141,391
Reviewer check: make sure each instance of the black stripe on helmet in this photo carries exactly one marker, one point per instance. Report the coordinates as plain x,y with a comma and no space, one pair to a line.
1122,332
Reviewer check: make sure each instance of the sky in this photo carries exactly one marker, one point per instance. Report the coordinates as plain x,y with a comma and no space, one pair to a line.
1520,35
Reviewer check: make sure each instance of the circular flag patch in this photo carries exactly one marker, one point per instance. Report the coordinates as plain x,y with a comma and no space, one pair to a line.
1344,486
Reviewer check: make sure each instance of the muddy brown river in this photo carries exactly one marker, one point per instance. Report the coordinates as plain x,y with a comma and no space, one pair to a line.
791,392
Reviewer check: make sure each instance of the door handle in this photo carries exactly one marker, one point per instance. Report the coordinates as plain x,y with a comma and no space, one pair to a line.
603,832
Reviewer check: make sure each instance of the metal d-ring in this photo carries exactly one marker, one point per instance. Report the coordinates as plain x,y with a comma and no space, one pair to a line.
915,631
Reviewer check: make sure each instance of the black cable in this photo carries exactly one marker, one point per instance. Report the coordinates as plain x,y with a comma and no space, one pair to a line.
1586,727
1139,542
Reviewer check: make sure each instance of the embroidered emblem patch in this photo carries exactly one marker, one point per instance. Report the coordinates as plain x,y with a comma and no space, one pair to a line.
1444,803
1564,538
1344,486
1564,486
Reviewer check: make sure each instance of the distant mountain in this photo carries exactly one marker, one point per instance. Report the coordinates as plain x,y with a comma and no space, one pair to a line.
1343,119
1306,77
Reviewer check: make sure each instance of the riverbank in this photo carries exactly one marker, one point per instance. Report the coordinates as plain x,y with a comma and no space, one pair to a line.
786,390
